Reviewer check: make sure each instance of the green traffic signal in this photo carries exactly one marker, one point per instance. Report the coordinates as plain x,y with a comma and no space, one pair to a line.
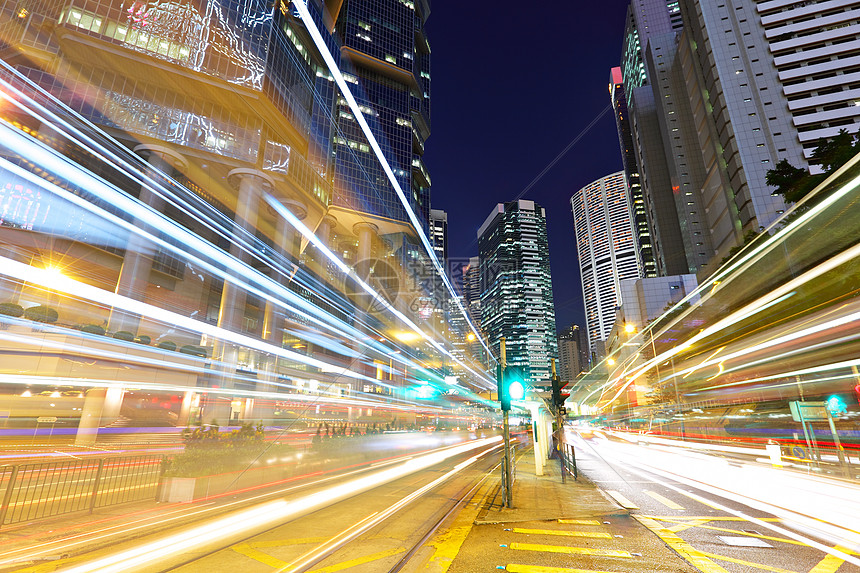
510,386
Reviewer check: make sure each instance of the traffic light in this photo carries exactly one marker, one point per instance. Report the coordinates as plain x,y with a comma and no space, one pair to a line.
511,386
557,397
857,393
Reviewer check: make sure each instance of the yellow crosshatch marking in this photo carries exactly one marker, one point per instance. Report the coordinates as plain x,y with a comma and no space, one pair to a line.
570,550
579,521
664,500
746,563
681,547
830,563
592,535
705,517
514,568
690,524
736,532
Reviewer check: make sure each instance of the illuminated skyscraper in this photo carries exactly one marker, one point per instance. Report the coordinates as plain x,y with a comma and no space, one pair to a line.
439,234
385,46
516,287
607,249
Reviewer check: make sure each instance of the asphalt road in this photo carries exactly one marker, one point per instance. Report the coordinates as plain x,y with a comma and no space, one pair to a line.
713,532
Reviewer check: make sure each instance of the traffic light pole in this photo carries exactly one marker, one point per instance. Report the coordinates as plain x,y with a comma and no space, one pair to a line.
506,429
559,421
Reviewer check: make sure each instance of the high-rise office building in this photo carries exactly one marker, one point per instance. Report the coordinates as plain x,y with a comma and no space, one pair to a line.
645,20
384,43
439,235
221,126
607,250
631,171
516,287
572,353
766,81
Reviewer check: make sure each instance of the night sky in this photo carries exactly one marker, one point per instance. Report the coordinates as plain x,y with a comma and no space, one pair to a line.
513,85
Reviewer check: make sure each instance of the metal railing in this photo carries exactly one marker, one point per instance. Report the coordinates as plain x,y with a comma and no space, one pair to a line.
513,459
567,457
36,491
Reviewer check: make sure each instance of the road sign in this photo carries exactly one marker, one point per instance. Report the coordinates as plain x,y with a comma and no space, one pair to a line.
46,419
809,411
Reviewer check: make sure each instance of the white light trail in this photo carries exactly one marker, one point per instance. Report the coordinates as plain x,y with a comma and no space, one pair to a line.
263,516
306,17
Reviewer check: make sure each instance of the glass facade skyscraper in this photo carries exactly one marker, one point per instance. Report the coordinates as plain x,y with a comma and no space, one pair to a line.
203,161
516,287
386,50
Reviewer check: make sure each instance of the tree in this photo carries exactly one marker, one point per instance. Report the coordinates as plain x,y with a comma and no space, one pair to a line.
794,183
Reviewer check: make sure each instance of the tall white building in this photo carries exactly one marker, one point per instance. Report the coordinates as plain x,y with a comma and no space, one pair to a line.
605,242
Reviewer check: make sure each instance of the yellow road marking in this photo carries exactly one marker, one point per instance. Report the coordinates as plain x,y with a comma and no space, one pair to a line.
591,534
248,551
287,542
707,517
736,532
830,563
449,540
747,563
622,501
579,521
664,500
682,526
514,568
359,561
684,549
570,550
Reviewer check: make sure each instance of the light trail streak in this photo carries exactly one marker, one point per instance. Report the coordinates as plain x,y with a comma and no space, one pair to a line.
48,159
313,556
321,45
827,509
265,515
749,309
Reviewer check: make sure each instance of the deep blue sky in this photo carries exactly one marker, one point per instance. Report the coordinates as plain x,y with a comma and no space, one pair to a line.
513,85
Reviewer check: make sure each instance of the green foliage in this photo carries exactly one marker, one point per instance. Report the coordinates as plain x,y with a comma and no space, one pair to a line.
143,339
11,309
748,238
42,313
208,451
124,335
794,183
93,329
167,345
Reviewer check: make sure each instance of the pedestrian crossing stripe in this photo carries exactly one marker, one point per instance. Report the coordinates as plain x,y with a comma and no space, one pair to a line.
622,501
664,500
570,550
590,534
579,521
515,568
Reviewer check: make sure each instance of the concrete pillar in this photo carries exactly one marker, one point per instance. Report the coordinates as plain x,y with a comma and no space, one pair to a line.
366,235
250,184
91,416
137,263
188,402
285,243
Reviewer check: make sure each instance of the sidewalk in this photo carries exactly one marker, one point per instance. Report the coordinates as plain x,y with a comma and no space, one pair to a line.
557,528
